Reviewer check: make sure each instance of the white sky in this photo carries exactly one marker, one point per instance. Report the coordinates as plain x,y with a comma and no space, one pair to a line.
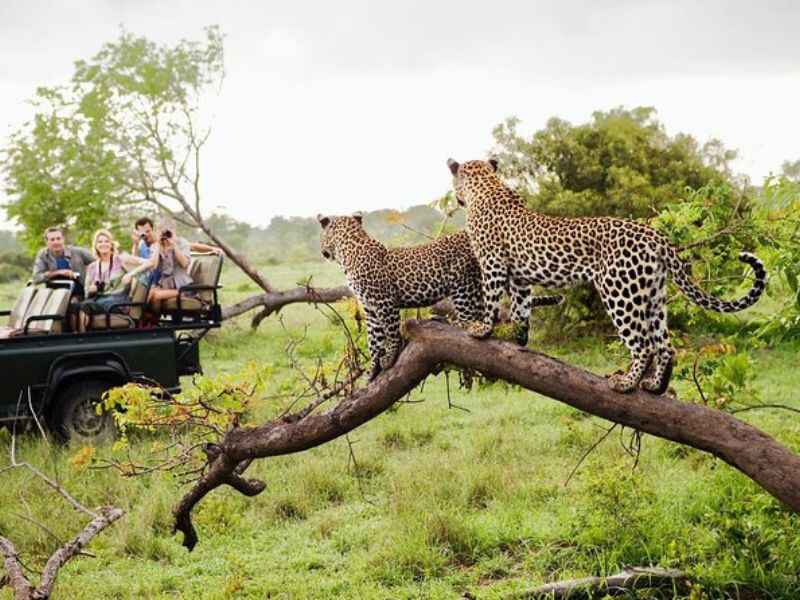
356,105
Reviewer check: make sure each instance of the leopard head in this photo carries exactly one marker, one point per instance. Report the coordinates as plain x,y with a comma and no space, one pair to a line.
336,232
468,177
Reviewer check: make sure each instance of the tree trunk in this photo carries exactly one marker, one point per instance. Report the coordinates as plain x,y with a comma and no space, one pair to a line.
431,344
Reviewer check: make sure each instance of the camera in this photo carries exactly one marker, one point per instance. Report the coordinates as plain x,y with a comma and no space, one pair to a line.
101,286
142,235
166,235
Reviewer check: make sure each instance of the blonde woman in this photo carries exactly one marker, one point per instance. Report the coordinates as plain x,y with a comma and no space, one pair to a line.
108,277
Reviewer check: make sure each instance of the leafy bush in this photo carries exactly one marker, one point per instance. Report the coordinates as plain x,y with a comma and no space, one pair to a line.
9,273
14,266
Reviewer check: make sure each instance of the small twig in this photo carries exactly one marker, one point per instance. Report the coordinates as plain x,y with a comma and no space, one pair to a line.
588,452
35,416
450,404
694,376
760,406
352,459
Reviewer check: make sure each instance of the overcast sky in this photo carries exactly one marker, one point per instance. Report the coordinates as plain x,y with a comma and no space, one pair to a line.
340,106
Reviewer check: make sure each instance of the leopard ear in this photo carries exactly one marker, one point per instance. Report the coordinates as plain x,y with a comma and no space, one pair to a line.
453,166
323,221
493,163
358,217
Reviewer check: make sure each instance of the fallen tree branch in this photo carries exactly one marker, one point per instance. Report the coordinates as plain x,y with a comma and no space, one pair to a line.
432,344
272,302
23,589
621,584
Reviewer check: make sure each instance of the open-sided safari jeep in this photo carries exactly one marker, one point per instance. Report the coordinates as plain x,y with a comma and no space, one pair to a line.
58,376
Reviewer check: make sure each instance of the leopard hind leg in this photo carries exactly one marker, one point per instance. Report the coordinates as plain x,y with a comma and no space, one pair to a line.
627,308
658,381
494,282
383,338
467,301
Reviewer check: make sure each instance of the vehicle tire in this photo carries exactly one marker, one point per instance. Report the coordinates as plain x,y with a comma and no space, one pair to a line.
76,415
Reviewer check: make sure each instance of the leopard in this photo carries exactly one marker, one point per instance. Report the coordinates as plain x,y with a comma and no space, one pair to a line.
386,280
627,261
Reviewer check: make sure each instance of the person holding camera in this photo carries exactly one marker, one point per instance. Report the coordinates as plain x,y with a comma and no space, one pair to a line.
144,238
108,277
170,258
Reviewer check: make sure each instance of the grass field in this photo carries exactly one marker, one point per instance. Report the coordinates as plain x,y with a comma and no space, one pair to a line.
440,501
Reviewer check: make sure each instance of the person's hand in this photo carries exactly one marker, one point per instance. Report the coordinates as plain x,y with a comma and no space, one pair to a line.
126,279
215,250
62,274
135,237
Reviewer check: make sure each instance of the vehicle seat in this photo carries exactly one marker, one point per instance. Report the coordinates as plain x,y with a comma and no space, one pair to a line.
205,272
137,295
16,320
54,302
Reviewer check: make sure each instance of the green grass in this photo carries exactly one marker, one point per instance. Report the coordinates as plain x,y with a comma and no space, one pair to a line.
440,501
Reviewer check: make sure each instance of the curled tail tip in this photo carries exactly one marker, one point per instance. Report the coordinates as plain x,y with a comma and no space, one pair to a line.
755,262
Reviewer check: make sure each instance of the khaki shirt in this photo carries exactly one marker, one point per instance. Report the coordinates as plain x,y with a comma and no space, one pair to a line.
45,261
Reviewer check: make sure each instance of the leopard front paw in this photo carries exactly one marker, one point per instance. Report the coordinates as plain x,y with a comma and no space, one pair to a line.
621,383
478,329
654,385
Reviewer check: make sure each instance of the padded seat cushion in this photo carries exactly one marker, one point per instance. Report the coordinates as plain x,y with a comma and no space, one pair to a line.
204,270
187,303
117,322
16,319
57,303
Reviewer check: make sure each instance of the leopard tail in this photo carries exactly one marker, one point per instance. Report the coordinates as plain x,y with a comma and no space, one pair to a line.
546,300
681,276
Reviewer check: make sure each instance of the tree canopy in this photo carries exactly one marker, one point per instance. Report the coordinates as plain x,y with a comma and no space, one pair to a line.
621,163
123,134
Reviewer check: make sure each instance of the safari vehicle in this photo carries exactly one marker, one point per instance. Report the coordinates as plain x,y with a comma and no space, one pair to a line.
57,376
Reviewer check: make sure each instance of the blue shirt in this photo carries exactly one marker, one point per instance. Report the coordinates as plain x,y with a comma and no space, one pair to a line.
144,250
62,262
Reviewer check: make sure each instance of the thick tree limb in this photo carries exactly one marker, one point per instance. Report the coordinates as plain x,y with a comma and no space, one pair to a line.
272,302
621,584
23,589
431,344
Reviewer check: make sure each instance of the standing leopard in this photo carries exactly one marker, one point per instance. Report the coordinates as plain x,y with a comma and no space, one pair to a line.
628,263
384,280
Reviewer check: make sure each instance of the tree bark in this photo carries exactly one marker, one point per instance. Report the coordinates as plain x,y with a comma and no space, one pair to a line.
23,589
430,345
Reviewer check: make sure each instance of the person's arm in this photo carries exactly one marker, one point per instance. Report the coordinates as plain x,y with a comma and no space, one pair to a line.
39,268
182,254
201,247
88,283
142,265
87,256
41,274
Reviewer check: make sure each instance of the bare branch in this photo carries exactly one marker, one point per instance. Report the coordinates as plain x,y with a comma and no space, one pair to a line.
622,584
